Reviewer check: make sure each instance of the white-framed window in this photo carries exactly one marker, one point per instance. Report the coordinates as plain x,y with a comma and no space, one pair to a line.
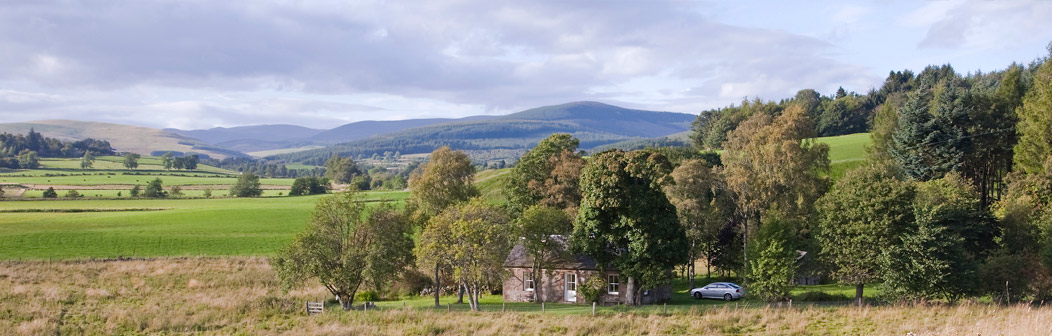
527,281
613,283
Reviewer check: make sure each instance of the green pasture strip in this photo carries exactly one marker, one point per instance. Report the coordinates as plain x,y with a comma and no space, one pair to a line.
188,227
491,184
78,210
300,166
169,180
53,172
117,163
218,192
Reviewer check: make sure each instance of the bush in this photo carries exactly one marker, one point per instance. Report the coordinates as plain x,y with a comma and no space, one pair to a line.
368,296
72,194
819,296
593,288
247,186
50,193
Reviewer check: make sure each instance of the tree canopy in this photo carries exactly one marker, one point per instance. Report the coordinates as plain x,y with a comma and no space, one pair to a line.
626,222
345,246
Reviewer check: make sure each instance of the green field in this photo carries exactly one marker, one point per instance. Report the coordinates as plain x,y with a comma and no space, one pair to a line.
171,227
112,193
846,152
117,178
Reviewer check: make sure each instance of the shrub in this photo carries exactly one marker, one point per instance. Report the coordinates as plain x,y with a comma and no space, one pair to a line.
50,193
593,288
819,296
72,194
368,296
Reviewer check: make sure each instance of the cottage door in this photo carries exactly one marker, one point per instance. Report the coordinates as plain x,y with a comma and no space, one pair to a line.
571,287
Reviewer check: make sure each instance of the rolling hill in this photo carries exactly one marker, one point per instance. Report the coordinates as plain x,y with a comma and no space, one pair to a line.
506,137
291,138
124,138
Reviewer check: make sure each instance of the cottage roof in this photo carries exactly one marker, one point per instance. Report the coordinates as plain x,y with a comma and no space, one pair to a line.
519,258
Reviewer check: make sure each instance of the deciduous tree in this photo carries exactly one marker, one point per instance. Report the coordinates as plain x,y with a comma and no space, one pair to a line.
775,163
472,239
154,189
546,174
704,206
446,179
87,161
131,160
247,185
544,232
866,213
626,222
344,246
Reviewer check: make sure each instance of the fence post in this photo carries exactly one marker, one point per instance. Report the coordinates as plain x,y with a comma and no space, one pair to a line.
664,308
542,306
593,308
502,307
447,307
790,303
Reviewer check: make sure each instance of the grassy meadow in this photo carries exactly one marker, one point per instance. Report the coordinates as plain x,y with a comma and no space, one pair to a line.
846,152
76,229
240,295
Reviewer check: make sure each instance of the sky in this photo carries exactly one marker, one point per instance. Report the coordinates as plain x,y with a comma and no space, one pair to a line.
202,63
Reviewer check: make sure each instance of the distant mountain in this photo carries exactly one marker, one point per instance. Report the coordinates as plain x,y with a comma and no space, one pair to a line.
252,138
364,129
506,137
124,138
271,137
260,132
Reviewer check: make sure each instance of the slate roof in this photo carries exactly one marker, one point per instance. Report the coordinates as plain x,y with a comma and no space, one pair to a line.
519,258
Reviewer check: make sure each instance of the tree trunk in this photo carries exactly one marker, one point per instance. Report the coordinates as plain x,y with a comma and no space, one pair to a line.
537,286
858,293
346,301
437,288
708,267
690,274
630,291
460,293
472,300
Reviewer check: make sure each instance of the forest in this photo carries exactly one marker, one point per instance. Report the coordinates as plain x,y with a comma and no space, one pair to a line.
23,151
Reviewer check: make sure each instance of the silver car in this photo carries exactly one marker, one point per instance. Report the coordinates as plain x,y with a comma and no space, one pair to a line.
719,290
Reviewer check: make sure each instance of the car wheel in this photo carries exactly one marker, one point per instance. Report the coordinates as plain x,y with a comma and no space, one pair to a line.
727,297
697,295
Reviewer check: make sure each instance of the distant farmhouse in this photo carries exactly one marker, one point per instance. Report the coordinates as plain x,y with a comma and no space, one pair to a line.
560,284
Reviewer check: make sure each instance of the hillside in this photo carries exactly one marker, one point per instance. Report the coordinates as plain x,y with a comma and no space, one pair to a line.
124,138
291,138
250,138
506,137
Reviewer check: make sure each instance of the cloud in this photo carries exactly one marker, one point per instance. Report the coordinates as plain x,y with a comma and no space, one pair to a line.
984,24
205,63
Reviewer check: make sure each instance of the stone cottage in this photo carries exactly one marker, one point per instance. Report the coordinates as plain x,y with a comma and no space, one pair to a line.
560,284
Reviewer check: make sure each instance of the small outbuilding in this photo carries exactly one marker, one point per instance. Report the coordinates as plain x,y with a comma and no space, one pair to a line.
560,284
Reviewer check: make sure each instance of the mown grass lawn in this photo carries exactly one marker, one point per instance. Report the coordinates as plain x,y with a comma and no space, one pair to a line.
150,228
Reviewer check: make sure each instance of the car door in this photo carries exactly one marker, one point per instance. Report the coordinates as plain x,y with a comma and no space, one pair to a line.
717,291
708,290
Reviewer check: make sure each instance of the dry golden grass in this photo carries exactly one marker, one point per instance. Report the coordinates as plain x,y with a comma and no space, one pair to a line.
241,296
